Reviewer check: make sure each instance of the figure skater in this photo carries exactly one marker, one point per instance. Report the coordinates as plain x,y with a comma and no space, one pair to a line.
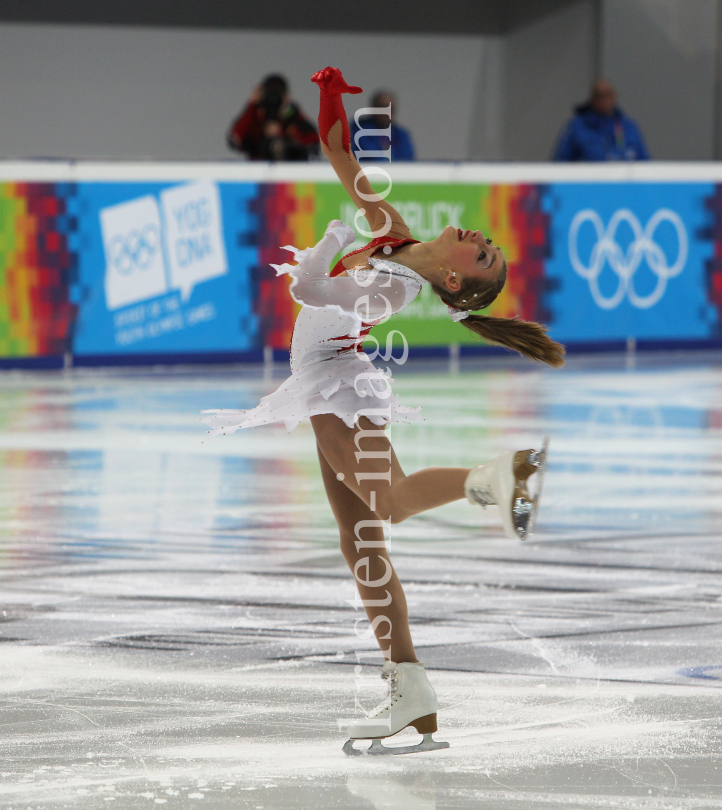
349,402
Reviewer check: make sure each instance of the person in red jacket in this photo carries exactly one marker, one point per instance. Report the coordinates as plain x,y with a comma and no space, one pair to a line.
272,126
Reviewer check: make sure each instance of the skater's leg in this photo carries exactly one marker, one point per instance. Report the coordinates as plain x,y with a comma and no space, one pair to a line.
386,603
365,458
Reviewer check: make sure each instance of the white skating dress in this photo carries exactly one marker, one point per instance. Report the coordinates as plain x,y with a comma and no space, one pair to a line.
330,373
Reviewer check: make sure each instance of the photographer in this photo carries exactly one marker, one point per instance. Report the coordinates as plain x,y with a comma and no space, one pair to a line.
272,127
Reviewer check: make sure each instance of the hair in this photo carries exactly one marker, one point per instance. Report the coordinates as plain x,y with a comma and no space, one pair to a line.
379,94
275,83
525,337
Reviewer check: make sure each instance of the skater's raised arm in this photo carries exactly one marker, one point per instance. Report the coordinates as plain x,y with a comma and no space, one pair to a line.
382,218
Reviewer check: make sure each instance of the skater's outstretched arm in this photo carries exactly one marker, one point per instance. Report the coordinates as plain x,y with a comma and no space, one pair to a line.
336,145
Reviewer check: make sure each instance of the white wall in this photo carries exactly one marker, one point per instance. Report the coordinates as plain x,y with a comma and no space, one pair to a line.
548,68
660,54
486,135
123,92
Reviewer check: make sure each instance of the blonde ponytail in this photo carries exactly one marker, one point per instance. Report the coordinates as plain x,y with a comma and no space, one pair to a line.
528,338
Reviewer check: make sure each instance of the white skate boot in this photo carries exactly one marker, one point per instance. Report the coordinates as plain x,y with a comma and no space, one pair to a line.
411,701
346,236
504,482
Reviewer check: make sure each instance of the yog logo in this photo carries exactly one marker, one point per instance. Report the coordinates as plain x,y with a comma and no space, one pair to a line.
155,246
625,263
134,250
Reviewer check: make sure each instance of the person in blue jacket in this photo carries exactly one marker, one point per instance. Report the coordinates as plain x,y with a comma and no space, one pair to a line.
402,147
601,131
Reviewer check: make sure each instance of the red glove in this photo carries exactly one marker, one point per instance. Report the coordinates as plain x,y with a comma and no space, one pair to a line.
332,84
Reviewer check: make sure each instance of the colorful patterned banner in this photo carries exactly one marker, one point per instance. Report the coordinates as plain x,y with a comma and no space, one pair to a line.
116,270
38,254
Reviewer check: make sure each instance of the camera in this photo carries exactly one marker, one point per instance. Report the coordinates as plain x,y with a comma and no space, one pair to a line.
273,97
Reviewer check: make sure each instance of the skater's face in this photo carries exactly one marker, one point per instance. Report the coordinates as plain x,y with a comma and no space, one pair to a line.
470,254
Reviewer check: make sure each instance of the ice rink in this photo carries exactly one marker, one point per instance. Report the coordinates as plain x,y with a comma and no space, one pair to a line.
176,622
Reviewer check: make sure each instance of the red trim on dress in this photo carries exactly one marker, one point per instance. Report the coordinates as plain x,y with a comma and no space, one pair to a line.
377,244
357,345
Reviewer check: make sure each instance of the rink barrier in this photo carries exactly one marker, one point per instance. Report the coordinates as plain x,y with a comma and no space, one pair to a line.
48,362
175,358
157,263
283,356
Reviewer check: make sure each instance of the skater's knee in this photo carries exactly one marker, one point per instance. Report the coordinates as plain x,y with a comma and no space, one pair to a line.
397,513
348,549
387,506
355,547
392,510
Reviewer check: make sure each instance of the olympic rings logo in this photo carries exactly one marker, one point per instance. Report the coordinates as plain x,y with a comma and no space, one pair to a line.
135,250
626,263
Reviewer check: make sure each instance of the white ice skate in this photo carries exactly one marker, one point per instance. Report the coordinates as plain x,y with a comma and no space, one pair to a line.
504,482
346,236
411,701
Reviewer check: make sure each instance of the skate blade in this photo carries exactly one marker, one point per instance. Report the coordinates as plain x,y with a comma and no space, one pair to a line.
525,520
542,457
379,749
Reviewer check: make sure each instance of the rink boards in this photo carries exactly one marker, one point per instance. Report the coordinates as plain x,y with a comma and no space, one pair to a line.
117,263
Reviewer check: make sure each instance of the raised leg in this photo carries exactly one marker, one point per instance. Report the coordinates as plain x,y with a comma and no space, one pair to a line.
365,461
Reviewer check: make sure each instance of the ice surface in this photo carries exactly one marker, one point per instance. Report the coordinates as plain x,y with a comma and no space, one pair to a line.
174,622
